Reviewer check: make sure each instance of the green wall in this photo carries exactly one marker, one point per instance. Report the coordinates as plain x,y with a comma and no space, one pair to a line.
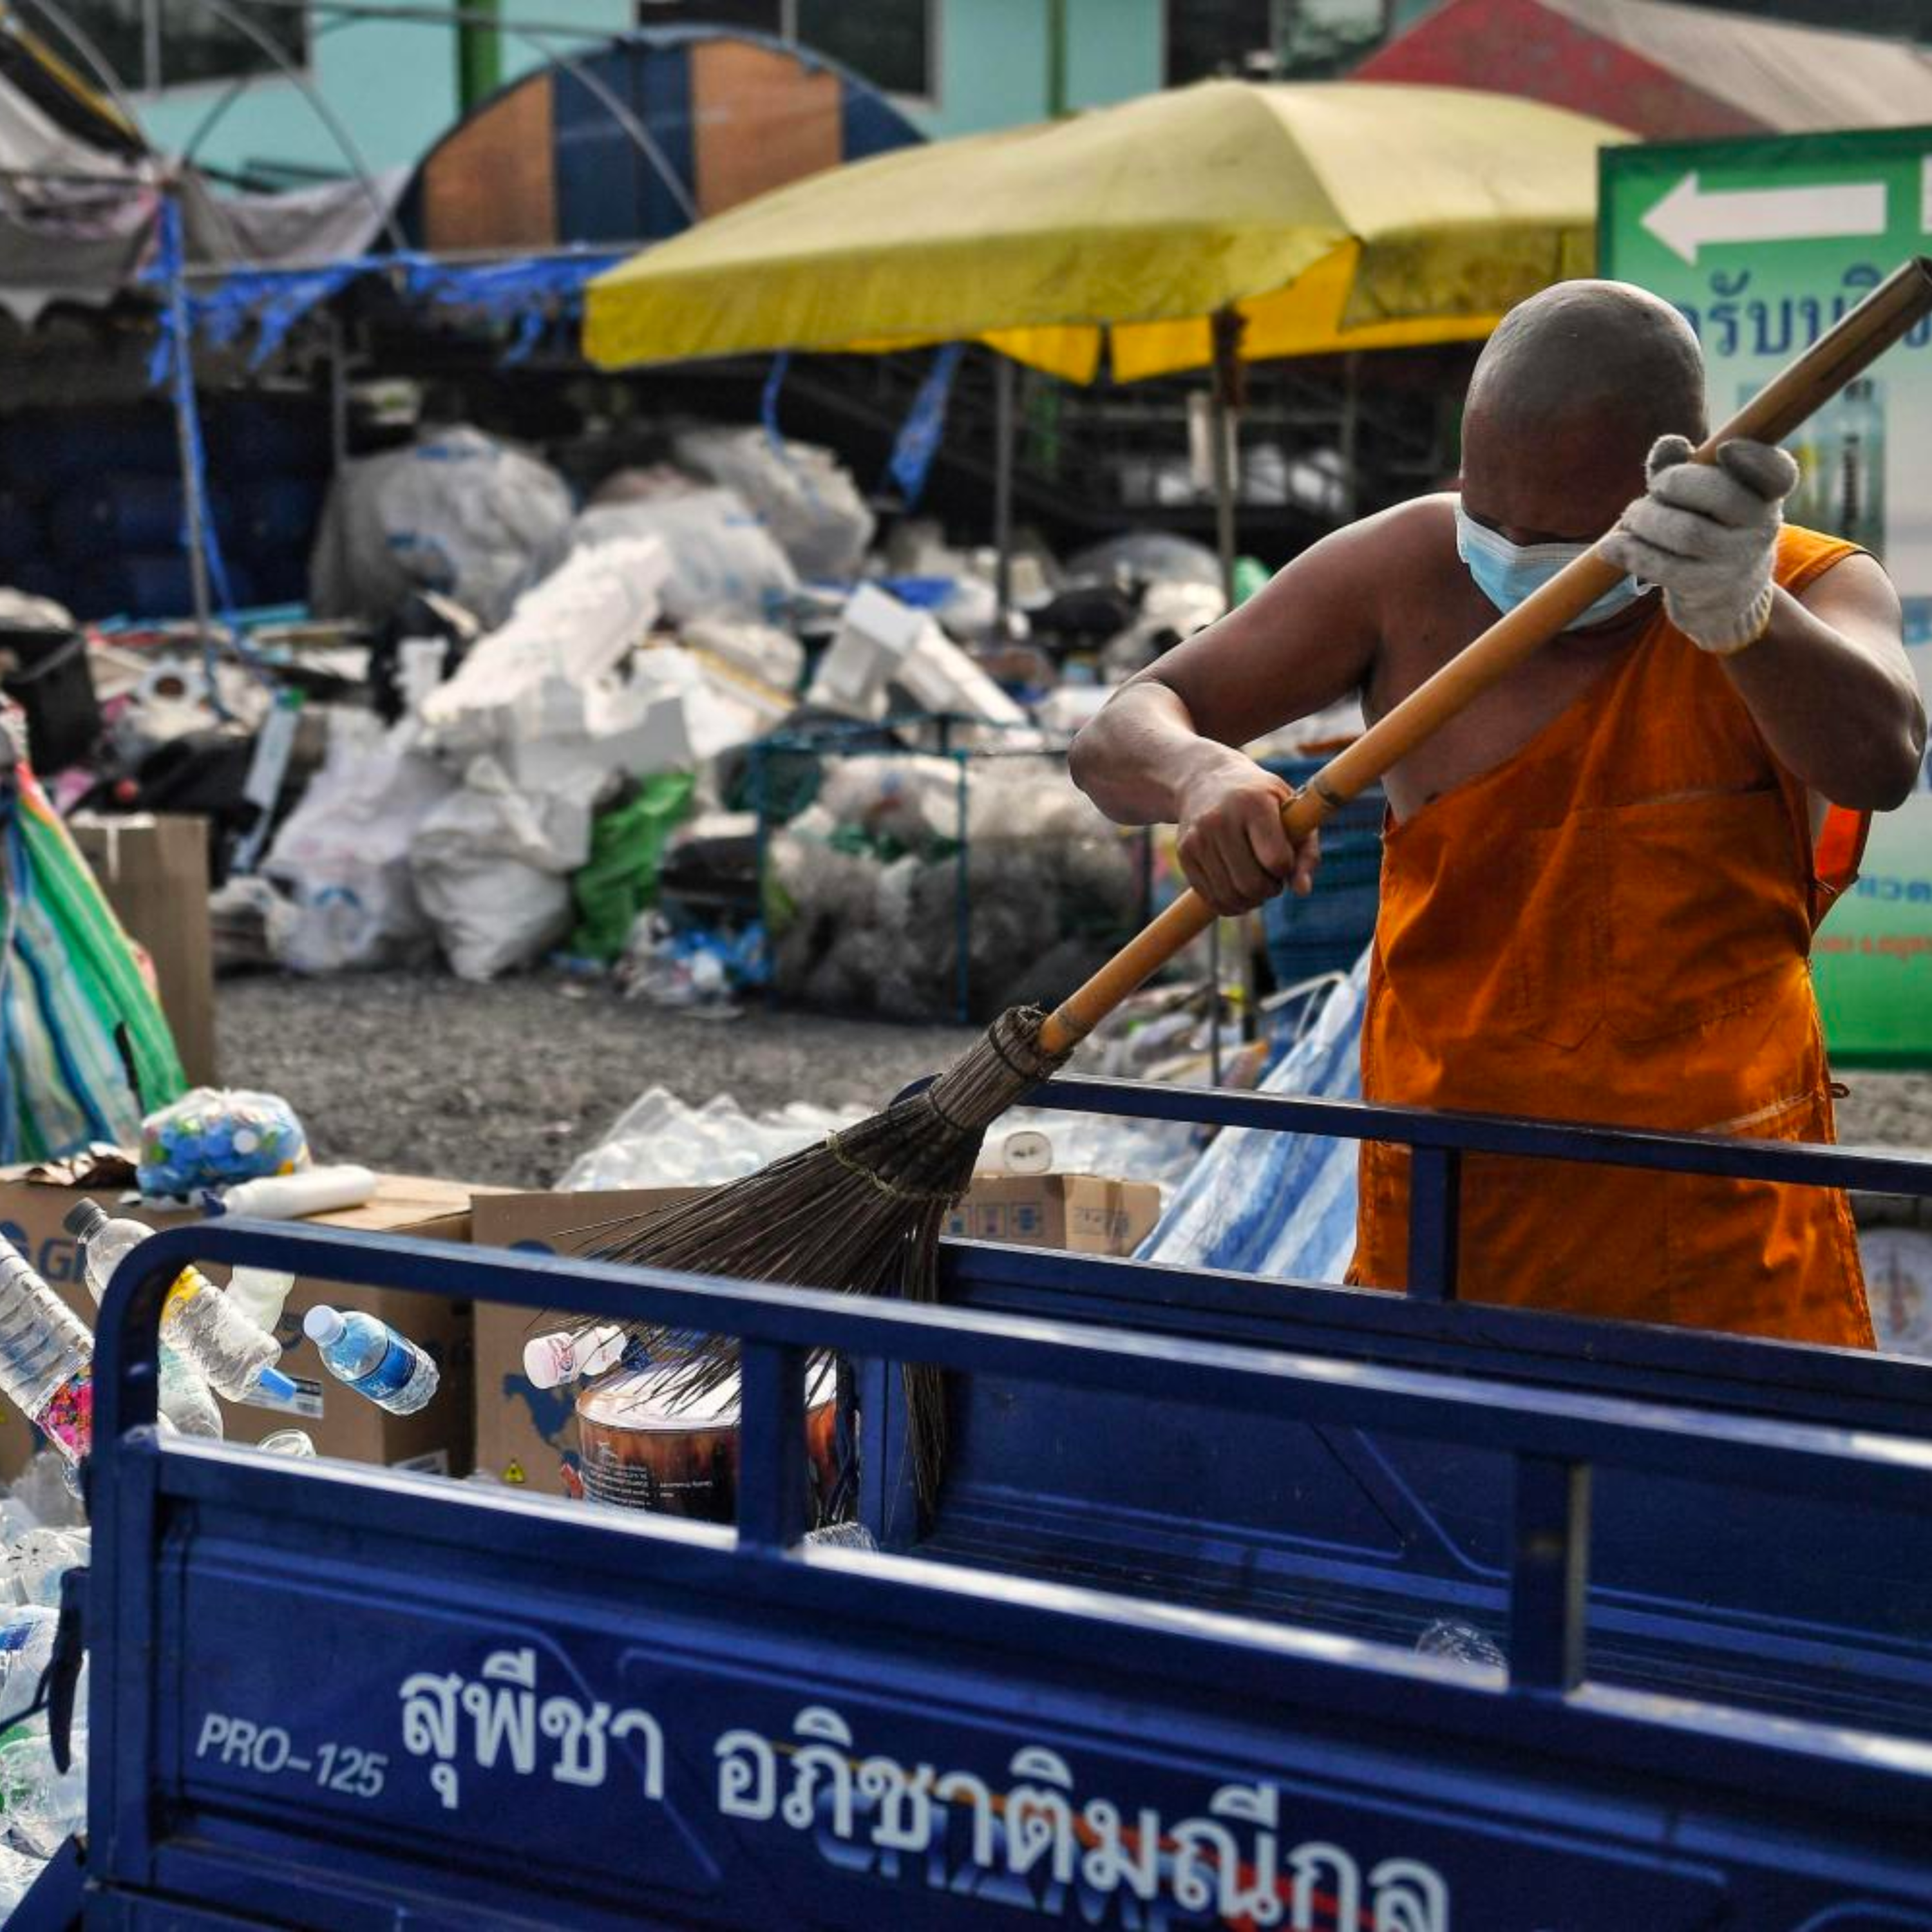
993,59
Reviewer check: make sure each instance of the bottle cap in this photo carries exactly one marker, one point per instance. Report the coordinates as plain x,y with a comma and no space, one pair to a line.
273,1382
85,1220
322,1324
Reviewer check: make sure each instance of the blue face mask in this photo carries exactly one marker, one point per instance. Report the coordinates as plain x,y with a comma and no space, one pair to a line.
1506,573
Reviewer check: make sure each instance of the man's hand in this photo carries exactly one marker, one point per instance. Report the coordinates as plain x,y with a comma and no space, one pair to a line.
1707,534
1233,846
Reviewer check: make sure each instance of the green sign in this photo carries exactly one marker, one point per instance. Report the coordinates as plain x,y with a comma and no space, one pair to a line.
1763,244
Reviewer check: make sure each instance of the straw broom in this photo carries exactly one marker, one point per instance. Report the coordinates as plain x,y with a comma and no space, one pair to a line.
863,1212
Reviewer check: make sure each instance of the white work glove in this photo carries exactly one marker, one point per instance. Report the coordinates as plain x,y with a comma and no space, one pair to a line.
1706,535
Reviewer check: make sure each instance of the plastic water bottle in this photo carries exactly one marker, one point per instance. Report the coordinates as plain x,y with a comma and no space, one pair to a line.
842,1536
185,1400
42,1806
296,1442
33,1565
235,1356
46,1357
309,1190
372,1358
260,1293
568,1357
1448,1637
18,1872
26,1648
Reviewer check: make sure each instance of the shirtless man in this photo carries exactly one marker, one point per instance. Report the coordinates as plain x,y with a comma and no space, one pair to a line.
1599,881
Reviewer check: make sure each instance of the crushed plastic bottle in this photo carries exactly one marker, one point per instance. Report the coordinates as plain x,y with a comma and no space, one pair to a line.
571,1356
18,1871
296,1442
186,1402
842,1536
46,1357
236,1358
372,1358
42,1806
42,1490
1447,1637
26,1648
31,1566
260,1293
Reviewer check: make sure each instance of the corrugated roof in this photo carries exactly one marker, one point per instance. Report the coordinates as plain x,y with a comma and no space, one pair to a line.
1790,78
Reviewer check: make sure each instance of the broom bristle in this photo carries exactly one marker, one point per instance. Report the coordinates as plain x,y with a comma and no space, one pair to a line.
861,1213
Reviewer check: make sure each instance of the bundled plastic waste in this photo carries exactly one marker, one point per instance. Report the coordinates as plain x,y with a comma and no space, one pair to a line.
864,893
660,1141
459,512
724,561
805,495
342,856
211,1137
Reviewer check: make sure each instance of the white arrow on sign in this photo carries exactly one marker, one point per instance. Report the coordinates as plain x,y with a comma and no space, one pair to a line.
1687,219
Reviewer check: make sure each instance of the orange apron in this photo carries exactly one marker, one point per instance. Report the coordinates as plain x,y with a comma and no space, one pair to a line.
1615,925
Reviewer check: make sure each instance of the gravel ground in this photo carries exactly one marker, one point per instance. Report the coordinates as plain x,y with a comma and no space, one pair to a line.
508,1083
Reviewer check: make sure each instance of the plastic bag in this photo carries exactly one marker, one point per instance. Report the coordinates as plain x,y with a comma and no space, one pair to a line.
724,561
627,844
213,1136
342,856
489,875
459,513
806,496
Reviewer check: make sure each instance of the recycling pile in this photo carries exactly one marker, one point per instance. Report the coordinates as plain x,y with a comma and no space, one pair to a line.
695,722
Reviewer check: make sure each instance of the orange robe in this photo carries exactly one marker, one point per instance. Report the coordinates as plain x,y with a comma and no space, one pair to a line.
1615,925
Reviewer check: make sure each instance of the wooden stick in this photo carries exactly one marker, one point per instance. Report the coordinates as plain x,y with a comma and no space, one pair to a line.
1903,299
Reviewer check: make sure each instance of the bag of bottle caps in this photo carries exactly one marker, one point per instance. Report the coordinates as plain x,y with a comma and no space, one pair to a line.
211,1138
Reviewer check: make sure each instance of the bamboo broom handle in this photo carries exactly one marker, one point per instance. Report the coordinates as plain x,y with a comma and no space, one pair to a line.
1851,346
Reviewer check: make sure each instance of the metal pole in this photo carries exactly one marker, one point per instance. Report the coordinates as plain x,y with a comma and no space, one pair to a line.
1056,58
1351,484
1003,439
1225,427
197,528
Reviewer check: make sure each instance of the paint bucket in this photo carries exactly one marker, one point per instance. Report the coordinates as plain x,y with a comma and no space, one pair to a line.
639,1450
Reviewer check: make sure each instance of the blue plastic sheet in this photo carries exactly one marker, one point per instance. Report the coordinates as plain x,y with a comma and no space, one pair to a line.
1281,1205
924,428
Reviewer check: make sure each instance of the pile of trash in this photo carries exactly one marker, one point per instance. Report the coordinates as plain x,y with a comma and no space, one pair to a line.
697,723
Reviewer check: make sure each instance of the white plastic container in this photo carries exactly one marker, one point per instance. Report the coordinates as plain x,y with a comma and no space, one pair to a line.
309,1190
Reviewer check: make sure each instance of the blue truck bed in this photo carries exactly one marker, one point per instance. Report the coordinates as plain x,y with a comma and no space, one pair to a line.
1150,1663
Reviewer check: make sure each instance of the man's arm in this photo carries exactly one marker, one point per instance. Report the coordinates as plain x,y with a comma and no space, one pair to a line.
1166,747
1832,691
1824,674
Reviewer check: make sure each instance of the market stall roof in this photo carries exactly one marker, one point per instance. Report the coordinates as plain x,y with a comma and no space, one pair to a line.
1669,72
1330,216
635,139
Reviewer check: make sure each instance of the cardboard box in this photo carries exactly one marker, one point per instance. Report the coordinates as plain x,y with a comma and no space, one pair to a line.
153,867
341,1422
523,1432
1080,1212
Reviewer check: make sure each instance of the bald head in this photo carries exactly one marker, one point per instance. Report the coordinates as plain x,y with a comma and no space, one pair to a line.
1567,396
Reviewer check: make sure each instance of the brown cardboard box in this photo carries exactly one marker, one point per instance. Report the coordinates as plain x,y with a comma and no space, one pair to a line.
153,867
340,1423
1080,1212
522,1432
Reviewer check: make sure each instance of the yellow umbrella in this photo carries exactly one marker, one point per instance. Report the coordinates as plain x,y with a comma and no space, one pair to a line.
1336,216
